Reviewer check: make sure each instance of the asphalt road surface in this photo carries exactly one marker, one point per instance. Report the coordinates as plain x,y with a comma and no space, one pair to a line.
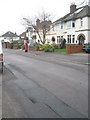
40,85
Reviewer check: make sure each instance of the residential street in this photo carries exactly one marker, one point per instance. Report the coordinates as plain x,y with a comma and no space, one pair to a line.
44,85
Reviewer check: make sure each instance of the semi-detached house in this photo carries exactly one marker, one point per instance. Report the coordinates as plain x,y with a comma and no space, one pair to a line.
73,27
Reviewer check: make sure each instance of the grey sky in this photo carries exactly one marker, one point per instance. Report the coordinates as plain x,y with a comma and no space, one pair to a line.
12,12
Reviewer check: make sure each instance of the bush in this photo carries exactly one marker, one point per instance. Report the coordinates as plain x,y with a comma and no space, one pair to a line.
11,45
36,46
15,42
49,48
56,46
23,47
43,47
19,46
15,46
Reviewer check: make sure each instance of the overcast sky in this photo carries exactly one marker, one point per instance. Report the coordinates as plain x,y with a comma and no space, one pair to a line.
12,12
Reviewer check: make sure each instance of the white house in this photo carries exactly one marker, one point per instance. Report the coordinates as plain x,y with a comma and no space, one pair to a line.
73,27
9,37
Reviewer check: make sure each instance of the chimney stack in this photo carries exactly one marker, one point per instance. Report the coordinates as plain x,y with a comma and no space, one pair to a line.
72,8
88,2
38,23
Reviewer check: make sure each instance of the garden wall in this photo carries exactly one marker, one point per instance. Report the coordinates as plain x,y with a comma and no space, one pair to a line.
73,48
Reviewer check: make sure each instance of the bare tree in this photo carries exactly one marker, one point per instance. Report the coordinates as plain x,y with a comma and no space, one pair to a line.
43,26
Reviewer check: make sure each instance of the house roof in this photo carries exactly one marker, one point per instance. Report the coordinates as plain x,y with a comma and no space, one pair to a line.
44,24
23,34
9,34
79,13
62,18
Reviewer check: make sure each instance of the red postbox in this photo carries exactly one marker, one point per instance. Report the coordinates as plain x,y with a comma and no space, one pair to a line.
26,47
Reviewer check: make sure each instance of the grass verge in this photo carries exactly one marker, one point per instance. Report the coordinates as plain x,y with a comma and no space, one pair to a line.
60,50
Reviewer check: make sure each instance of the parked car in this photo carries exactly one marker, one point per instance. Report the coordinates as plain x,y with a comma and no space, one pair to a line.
86,47
1,58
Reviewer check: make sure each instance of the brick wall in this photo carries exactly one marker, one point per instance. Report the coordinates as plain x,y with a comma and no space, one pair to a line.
70,48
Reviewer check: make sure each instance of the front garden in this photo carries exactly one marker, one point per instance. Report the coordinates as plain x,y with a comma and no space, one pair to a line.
56,48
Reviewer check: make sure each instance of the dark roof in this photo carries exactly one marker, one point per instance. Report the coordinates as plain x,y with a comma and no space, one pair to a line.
79,13
23,34
85,11
62,18
44,24
10,34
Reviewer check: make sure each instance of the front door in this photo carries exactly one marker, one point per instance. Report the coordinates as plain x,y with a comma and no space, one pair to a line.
81,40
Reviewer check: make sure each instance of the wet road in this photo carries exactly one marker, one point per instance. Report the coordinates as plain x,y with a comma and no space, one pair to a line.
44,85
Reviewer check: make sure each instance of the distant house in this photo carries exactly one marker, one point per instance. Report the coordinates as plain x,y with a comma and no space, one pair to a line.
41,25
32,34
73,27
28,36
10,36
23,37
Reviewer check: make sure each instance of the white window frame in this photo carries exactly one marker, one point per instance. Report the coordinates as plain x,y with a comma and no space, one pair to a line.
73,39
59,26
68,24
69,39
58,39
81,22
73,23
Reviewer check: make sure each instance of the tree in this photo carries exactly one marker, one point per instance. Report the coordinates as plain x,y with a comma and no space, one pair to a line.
42,26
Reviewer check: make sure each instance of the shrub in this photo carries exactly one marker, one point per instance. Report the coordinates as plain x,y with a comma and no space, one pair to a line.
49,48
56,46
36,46
23,47
19,46
43,47
15,42
11,45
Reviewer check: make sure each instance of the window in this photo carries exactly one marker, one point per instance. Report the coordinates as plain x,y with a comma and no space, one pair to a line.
69,39
52,27
48,40
73,24
69,24
59,26
61,37
58,39
81,22
73,38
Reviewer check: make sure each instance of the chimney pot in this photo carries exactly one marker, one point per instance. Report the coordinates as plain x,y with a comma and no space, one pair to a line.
37,22
72,8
